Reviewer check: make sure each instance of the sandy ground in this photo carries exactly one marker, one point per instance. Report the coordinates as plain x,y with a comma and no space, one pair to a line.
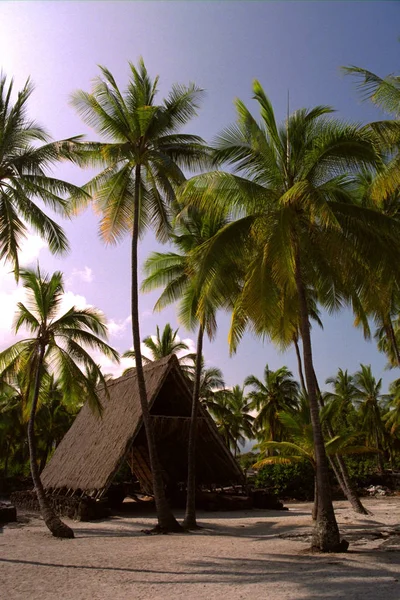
238,555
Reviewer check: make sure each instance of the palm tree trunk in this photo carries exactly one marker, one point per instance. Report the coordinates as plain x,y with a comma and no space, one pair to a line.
342,476
381,466
300,366
315,505
326,536
190,514
43,460
166,520
5,471
392,339
56,526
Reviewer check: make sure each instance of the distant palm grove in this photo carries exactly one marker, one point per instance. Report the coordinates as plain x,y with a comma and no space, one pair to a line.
273,223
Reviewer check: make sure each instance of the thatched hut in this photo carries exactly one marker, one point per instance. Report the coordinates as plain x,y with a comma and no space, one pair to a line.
93,450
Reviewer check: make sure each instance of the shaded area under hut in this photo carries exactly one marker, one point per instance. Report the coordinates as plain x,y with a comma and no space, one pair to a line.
94,449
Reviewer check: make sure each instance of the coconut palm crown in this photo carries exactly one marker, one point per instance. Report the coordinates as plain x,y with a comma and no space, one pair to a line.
24,176
142,161
291,193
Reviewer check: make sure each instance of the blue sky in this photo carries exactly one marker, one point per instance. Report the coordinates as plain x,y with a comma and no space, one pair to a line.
222,46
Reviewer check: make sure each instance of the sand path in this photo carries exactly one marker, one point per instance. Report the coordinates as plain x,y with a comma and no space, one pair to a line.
238,555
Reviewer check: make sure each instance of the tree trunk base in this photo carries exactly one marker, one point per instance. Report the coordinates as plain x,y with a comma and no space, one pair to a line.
161,530
191,525
326,536
341,547
59,529
359,508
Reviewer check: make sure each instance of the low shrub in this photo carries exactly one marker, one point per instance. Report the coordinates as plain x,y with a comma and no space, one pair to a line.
288,481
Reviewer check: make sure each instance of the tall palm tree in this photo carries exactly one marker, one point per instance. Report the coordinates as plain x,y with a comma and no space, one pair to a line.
278,392
58,343
369,399
300,228
142,162
176,272
23,176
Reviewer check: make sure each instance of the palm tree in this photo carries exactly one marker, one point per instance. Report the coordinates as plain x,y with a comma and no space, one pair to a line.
339,404
339,415
23,166
55,414
369,399
384,92
230,409
211,382
392,417
301,230
142,164
300,446
277,393
166,343
12,425
178,274
57,343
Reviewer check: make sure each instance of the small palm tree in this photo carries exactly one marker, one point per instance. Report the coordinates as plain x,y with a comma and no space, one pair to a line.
369,399
392,416
164,344
12,425
142,164
301,445
211,382
230,409
278,392
55,415
23,176
339,404
58,344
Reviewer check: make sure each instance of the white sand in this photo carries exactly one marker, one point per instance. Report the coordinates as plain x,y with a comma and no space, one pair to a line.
252,554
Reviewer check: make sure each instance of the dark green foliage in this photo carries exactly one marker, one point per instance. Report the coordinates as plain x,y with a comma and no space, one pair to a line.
288,481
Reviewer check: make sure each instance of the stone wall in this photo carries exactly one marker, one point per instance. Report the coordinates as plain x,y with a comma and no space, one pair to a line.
79,509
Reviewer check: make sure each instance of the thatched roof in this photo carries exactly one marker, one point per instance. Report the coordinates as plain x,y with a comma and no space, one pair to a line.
93,449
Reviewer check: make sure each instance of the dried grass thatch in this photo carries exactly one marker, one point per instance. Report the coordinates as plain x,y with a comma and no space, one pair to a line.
93,449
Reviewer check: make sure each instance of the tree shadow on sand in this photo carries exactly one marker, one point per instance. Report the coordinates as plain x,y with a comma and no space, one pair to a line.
368,575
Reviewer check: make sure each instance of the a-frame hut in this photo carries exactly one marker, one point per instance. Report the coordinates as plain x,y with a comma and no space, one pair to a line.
92,451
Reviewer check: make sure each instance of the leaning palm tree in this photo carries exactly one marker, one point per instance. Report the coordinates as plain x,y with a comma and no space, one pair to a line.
279,392
300,446
339,416
142,161
298,225
57,343
24,178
